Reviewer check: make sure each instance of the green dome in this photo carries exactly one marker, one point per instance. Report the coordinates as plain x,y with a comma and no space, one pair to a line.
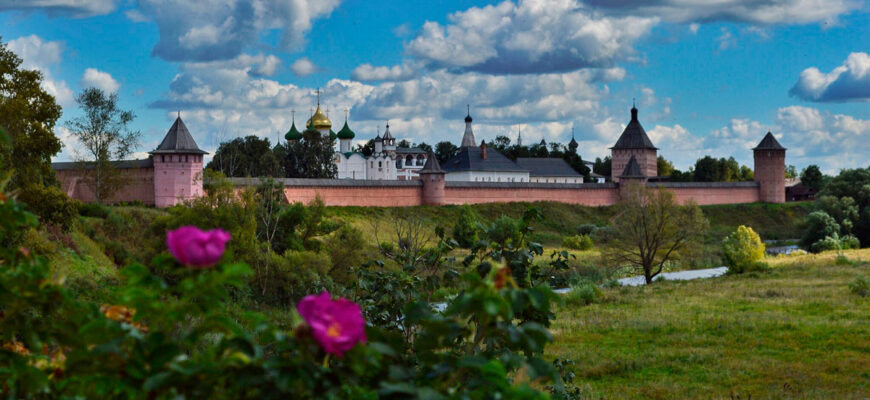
332,135
293,134
345,132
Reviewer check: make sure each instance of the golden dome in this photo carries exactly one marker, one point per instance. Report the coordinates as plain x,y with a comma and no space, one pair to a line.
319,120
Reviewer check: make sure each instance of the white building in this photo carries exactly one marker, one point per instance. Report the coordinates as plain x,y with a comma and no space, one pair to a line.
480,164
549,170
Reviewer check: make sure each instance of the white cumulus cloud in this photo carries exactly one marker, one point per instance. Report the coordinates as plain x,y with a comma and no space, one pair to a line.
303,67
848,82
100,80
75,8
39,54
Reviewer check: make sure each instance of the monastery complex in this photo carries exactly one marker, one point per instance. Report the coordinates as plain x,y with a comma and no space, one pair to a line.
399,176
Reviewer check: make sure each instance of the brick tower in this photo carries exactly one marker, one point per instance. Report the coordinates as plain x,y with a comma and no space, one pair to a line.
177,167
633,143
770,169
433,181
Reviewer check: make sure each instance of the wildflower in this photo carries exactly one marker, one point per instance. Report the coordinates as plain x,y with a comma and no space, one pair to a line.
196,248
122,314
337,325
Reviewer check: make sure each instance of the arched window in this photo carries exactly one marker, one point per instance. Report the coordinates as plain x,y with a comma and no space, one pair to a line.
409,160
421,160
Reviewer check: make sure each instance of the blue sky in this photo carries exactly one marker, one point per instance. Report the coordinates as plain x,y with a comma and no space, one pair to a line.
708,77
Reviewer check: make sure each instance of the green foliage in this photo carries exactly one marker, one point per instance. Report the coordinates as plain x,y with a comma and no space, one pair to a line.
311,157
854,183
819,225
835,242
104,132
577,242
250,156
709,169
50,204
743,250
93,210
860,286
466,227
28,114
844,211
587,229
346,248
583,294
812,177
664,167
174,338
602,166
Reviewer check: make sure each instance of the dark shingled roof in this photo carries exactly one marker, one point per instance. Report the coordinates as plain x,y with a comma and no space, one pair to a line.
410,150
469,159
178,141
769,143
634,137
546,167
432,166
632,169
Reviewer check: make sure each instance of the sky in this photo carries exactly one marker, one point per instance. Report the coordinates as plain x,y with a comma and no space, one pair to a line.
708,77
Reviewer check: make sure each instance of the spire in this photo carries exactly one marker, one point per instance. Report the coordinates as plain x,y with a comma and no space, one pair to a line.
468,136
633,110
634,136
519,135
318,97
468,113
432,166
769,143
178,140
573,142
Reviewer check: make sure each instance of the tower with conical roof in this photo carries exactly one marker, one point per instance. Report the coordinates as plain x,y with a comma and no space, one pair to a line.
633,142
177,167
468,136
389,141
434,184
770,169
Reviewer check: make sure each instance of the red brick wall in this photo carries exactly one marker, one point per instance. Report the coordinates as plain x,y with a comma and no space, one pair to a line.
587,197
384,196
722,195
139,187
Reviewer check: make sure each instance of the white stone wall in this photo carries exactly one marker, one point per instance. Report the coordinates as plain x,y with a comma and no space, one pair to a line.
556,179
353,167
380,167
487,176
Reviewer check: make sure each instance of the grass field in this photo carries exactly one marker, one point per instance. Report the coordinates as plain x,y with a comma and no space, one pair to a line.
794,332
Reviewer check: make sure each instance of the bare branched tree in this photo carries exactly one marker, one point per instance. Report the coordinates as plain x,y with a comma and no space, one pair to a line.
104,133
413,241
651,229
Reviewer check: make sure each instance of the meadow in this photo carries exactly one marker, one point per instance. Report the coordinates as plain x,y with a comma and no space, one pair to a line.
793,332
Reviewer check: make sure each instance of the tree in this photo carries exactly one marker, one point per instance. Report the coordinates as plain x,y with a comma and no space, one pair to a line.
366,149
311,157
105,134
791,172
445,151
650,229
602,167
249,156
812,177
854,183
664,167
425,147
28,114
501,143
743,250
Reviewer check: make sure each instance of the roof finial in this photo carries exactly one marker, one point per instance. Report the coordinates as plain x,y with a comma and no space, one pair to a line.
633,103
468,107
318,97
179,113
388,124
293,113
572,131
346,111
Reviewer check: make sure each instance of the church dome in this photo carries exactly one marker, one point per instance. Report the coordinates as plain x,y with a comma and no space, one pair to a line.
293,133
319,120
345,132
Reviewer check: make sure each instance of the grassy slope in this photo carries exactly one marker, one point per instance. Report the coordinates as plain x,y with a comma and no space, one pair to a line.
793,332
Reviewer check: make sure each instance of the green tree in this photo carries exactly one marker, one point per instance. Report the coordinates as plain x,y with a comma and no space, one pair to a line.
311,157
819,225
854,183
791,172
602,166
445,151
28,114
665,167
650,229
249,156
812,177
105,134
465,230
743,250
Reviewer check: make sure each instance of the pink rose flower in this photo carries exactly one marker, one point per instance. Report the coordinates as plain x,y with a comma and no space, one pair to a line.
193,247
337,325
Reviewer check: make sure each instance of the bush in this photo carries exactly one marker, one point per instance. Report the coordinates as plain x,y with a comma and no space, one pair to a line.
819,226
577,242
50,204
586,229
860,286
583,294
465,229
346,248
743,249
94,210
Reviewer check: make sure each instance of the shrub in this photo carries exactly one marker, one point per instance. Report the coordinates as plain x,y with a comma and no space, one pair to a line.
465,229
94,210
860,286
346,248
577,242
586,229
819,225
583,294
50,204
743,249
